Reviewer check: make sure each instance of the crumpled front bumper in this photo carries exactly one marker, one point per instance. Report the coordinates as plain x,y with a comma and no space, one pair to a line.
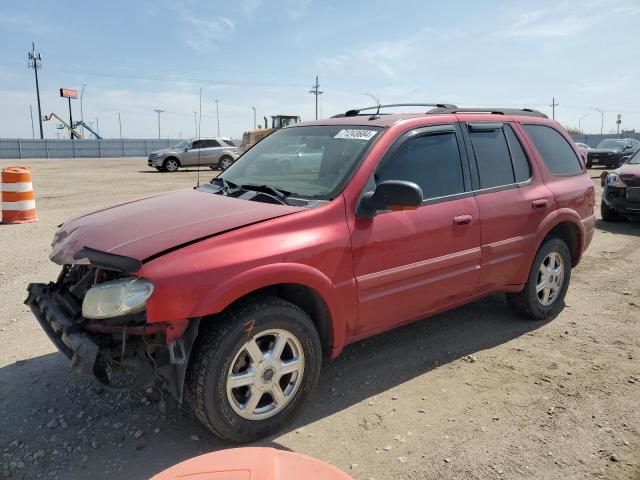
61,328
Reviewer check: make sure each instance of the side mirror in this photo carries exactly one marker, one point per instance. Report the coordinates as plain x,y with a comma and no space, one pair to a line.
394,195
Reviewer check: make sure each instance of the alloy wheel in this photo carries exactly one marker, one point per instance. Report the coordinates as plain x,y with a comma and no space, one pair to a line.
550,279
265,374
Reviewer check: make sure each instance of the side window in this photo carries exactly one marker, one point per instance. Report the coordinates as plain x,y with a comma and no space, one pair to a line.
211,143
432,161
554,149
492,157
521,166
197,144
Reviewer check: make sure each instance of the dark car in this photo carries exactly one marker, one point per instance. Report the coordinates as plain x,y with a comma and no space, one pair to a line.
612,152
621,194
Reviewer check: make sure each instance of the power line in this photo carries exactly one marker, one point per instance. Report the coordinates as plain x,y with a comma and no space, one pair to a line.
315,90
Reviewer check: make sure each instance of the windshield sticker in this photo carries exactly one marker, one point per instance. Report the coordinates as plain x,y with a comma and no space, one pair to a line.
356,134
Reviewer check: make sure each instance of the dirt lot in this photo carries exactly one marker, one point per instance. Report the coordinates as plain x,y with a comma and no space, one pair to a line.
472,394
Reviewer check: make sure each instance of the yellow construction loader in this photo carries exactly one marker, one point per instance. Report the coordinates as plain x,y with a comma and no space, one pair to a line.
277,121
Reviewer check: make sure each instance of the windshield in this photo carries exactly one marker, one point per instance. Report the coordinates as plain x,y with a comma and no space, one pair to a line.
181,145
310,162
610,143
635,160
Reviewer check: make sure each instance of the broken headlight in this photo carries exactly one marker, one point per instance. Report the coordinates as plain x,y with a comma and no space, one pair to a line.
116,298
613,180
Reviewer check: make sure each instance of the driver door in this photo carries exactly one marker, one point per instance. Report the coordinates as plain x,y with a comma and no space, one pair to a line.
412,263
190,157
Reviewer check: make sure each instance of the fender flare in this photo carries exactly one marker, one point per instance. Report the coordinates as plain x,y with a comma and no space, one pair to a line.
555,218
234,288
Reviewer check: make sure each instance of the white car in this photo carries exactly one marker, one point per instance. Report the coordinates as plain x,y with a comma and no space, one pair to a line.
215,152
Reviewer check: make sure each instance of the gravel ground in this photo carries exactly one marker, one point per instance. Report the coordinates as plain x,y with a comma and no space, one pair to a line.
475,393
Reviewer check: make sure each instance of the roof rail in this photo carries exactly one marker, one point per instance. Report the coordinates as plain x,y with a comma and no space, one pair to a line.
499,111
355,112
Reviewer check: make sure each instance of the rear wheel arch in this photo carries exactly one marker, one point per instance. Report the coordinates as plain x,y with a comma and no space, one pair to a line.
568,232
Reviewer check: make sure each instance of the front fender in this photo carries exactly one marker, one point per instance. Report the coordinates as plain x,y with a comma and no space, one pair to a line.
234,288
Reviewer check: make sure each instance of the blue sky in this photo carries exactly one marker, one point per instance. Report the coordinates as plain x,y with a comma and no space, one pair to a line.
137,56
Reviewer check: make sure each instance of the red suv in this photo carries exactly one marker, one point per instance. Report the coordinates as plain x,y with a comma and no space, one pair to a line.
231,293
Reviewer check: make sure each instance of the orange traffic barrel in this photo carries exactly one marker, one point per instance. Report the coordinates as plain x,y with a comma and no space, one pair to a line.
18,200
253,463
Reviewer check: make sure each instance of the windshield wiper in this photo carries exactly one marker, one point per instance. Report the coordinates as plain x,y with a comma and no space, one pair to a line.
226,186
269,190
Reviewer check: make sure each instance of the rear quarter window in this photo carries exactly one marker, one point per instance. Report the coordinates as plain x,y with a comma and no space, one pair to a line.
554,149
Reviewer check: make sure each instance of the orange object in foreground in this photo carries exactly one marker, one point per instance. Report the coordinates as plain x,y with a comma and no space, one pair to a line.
253,463
18,199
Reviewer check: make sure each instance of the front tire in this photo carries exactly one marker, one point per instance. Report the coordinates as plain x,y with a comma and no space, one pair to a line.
253,369
171,165
543,295
609,214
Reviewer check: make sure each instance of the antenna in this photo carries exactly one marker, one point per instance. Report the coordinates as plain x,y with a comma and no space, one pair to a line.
197,139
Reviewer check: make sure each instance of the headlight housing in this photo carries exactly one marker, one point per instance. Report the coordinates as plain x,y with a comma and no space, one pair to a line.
613,180
117,298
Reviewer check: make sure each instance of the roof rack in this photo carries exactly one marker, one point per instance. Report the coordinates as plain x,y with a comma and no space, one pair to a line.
499,111
356,112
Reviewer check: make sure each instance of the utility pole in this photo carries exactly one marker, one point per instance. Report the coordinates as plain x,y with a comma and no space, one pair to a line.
119,124
601,118
254,117
218,117
81,111
35,61
580,121
70,120
33,132
158,112
315,90
195,121
553,106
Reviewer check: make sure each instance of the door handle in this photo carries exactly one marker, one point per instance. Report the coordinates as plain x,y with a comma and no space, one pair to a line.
462,220
540,203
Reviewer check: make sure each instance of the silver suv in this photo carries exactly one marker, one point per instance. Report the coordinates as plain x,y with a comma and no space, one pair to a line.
212,152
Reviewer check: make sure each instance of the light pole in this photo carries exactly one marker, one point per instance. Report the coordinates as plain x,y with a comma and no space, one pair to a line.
218,117
81,111
601,118
158,112
119,124
254,117
375,99
580,121
97,126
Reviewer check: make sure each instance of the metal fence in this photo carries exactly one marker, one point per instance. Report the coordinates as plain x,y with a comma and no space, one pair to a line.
15,148
595,139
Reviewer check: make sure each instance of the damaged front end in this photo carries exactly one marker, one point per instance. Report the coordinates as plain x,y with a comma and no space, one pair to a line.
94,314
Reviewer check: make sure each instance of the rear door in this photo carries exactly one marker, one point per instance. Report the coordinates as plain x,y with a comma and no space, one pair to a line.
410,263
512,201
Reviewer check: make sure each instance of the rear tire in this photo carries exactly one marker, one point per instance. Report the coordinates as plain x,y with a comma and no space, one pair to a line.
537,303
226,348
225,162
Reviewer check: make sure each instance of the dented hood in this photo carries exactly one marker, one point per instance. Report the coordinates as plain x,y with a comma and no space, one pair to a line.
144,228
